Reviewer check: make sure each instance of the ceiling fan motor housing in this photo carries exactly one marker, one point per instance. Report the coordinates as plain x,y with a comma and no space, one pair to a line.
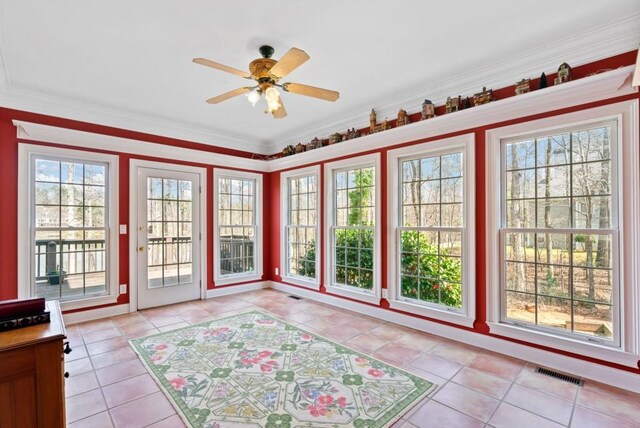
266,51
259,68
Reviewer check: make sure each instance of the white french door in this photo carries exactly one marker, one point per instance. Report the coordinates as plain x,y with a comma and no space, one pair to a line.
168,236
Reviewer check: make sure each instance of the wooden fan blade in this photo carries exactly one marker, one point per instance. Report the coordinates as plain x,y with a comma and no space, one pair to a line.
227,95
636,73
281,112
311,91
293,59
222,67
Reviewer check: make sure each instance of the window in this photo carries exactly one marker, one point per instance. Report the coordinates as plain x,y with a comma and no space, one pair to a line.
353,227
300,226
71,225
563,213
560,231
237,229
431,213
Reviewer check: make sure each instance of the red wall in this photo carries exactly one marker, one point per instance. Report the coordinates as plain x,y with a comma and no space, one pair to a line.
9,190
480,325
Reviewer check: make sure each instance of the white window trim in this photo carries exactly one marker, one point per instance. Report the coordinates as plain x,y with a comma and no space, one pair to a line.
258,191
462,143
284,216
25,154
626,113
351,292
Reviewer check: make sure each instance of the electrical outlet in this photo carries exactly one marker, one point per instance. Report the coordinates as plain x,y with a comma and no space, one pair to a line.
123,229
123,288
277,271
385,293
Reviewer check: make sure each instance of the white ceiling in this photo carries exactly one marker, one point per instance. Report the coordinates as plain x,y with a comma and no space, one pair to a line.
128,63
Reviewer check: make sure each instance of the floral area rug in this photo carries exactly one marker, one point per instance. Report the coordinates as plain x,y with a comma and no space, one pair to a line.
253,370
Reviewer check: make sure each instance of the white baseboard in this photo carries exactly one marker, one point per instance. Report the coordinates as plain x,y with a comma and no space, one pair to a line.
226,290
94,314
581,368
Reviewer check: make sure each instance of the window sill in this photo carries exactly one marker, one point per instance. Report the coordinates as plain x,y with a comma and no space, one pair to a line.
237,279
354,294
581,347
301,282
435,313
89,302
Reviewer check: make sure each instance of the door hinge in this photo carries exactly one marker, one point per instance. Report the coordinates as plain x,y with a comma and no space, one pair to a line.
199,189
200,236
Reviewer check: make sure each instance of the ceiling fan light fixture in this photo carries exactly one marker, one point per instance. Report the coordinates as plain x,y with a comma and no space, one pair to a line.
272,96
253,97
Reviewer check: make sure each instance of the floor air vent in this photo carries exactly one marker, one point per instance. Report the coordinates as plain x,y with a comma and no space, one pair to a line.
561,376
295,297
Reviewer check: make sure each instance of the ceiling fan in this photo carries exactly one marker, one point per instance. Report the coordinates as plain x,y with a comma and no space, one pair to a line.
267,72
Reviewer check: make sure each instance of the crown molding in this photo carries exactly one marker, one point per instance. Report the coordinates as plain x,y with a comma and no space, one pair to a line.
14,97
28,131
598,87
580,48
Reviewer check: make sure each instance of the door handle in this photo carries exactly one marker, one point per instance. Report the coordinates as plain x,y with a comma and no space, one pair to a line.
141,249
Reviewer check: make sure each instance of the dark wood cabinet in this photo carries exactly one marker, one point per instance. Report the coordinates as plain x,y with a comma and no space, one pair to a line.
32,374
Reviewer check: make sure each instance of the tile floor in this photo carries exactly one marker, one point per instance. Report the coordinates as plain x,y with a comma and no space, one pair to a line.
109,387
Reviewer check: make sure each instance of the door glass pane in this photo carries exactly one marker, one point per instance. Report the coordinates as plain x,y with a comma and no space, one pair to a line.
169,226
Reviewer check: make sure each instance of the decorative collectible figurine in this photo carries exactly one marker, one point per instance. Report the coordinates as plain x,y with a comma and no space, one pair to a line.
523,86
314,144
374,127
428,110
403,118
352,133
372,121
564,74
288,151
484,97
335,138
299,148
452,105
543,81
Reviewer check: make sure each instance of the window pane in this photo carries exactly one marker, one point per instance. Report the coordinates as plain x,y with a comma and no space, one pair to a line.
521,155
591,145
592,212
555,150
520,247
72,173
521,213
520,277
451,165
47,193
553,181
95,174
554,213
47,170
72,194
521,184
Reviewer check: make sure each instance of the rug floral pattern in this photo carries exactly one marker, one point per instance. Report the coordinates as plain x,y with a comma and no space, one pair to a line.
253,370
